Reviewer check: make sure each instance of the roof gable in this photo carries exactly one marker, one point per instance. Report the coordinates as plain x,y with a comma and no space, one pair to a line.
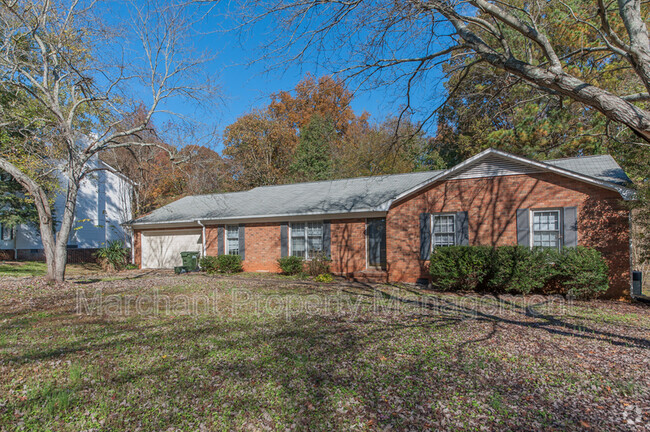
494,166
613,177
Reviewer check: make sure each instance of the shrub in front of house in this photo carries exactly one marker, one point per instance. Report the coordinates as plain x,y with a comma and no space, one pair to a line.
229,264
518,269
221,264
454,268
113,256
209,264
579,272
319,264
583,272
291,265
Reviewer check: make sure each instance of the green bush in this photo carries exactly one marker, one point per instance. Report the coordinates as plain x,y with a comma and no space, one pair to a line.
578,272
113,256
229,264
291,265
209,264
518,269
325,277
318,265
583,272
459,267
221,264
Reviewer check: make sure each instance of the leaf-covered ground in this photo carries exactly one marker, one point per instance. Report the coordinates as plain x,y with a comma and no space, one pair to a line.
254,352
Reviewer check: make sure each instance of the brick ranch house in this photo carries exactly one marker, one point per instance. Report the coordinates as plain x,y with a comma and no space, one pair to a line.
384,227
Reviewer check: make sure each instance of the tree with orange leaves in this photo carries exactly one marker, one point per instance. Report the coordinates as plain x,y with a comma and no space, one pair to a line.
326,96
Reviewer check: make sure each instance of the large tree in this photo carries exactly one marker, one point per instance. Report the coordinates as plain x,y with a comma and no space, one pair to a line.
258,149
57,53
384,42
157,179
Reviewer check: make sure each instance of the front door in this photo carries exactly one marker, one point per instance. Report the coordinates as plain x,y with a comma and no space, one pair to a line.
376,237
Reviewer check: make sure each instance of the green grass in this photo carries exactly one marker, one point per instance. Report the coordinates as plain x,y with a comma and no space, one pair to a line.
35,268
279,354
27,268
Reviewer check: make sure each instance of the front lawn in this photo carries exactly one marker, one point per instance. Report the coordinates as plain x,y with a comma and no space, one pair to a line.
35,268
155,352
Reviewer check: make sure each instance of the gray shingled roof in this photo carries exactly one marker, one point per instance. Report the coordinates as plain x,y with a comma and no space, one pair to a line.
363,194
601,167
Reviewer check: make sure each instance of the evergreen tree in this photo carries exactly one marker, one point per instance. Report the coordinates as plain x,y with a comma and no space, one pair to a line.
313,157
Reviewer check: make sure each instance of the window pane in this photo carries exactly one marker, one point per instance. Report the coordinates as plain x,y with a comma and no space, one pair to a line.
546,239
315,246
233,246
443,224
233,231
298,246
443,239
315,229
297,230
546,221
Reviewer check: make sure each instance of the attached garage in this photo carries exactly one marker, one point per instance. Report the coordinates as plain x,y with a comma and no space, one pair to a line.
162,249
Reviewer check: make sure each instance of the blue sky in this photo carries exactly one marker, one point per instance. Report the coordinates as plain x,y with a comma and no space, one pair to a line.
245,86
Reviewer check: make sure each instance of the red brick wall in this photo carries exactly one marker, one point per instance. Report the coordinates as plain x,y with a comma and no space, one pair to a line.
348,245
492,204
211,240
262,247
137,248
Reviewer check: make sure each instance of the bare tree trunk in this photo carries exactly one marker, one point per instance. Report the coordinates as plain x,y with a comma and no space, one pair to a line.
54,247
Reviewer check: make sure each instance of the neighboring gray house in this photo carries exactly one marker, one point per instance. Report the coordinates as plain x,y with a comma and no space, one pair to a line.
103,204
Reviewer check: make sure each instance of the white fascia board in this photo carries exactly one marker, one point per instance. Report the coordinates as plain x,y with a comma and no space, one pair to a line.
262,218
626,193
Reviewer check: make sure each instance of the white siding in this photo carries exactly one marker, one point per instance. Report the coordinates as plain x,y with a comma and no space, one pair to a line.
494,166
103,204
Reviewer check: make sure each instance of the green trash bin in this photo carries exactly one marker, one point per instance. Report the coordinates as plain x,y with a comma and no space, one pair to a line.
190,260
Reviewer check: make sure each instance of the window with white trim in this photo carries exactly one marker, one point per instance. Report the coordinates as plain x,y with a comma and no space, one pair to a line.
232,240
6,232
306,239
546,228
443,229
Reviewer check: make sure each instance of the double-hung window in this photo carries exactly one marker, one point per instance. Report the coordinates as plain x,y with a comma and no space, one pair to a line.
546,228
6,232
306,239
232,239
443,230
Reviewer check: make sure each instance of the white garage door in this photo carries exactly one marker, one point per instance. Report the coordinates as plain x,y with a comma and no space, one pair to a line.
163,249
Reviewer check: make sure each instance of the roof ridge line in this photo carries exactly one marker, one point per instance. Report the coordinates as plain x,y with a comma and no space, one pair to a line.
348,178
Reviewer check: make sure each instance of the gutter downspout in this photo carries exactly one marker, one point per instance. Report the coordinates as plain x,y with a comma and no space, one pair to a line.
202,238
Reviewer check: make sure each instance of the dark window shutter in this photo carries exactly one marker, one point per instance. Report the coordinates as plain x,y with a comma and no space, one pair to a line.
462,228
570,227
284,239
523,227
220,240
425,236
242,242
327,239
